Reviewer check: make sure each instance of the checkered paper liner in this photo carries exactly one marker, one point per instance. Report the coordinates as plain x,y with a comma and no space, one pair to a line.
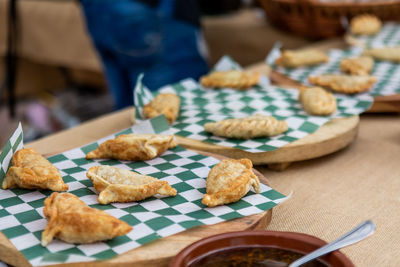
389,35
142,95
387,73
21,210
199,106
13,144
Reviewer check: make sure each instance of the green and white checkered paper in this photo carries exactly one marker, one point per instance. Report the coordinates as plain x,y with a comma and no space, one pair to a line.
389,35
200,105
15,143
387,73
21,210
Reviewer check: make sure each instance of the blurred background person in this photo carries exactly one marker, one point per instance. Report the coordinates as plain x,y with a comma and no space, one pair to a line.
161,38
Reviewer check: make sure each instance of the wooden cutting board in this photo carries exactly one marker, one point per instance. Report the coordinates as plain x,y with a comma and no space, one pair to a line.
161,251
331,137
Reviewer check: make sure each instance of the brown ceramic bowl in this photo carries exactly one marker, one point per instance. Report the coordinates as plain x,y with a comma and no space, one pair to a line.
297,242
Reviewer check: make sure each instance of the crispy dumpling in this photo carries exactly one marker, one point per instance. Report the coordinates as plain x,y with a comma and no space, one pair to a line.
133,147
233,79
304,57
384,53
247,127
167,104
71,220
317,101
357,66
365,24
32,171
229,181
347,84
118,185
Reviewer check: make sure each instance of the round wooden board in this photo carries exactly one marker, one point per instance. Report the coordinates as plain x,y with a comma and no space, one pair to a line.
161,251
331,137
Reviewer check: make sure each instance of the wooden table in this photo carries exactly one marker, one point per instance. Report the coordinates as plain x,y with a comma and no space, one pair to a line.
331,194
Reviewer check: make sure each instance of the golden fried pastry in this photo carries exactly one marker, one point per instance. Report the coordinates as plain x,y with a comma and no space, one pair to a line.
317,101
32,171
71,220
298,58
167,104
133,147
347,84
384,53
229,181
247,127
365,24
358,65
233,79
118,185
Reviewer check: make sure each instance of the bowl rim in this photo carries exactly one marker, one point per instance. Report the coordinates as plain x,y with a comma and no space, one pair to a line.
178,259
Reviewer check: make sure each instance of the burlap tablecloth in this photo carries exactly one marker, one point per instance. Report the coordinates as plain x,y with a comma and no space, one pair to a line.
332,194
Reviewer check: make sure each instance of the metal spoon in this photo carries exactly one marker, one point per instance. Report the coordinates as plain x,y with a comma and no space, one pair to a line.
360,232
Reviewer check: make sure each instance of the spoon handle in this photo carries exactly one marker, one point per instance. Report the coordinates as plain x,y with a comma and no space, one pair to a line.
357,234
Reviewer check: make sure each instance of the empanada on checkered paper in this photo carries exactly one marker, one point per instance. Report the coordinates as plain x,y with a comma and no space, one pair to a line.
232,79
299,58
32,171
119,185
317,101
71,220
357,66
384,53
347,84
365,24
229,181
167,104
133,147
247,127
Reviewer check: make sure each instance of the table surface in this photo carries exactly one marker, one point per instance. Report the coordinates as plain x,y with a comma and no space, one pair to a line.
331,195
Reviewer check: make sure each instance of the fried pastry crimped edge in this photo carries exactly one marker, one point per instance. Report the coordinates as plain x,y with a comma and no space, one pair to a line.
317,101
299,58
119,185
229,181
167,104
347,84
247,127
32,171
365,24
133,147
233,79
357,66
71,220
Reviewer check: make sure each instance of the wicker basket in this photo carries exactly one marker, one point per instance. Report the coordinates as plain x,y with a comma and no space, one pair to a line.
317,20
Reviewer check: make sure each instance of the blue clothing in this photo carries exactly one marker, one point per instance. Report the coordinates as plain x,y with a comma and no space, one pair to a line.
133,37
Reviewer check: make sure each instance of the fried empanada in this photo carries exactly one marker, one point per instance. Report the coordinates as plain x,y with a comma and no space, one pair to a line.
32,171
133,147
384,53
347,84
298,58
365,24
357,66
233,79
317,101
71,220
229,181
247,127
167,104
118,185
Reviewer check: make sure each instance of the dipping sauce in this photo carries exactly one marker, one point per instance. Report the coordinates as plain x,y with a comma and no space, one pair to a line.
250,256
